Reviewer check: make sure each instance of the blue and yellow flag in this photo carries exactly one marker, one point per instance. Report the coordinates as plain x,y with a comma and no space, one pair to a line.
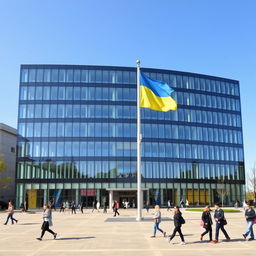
156,95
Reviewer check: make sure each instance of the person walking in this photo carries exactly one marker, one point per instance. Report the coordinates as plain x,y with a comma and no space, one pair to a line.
207,223
105,207
82,207
182,203
62,207
220,223
169,205
116,206
73,207
157,220
147,206
47,222
98,206
10,212
93,206
250,217
187,203
178,222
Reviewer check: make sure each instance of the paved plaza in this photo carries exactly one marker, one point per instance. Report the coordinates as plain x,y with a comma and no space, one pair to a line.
102,234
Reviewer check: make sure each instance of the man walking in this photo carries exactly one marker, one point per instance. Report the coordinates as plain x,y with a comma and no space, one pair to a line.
220,223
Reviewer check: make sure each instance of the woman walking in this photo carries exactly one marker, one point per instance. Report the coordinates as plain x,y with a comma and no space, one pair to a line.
10,211
250,217
178,221
207,223
47,222
116,206
157,221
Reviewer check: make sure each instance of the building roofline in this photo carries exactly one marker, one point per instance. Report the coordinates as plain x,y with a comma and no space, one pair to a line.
125,68
8,129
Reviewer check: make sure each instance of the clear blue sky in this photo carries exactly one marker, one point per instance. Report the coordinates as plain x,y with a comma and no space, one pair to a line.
210,37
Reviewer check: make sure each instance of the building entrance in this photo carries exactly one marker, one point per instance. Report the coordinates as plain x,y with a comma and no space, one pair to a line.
128,198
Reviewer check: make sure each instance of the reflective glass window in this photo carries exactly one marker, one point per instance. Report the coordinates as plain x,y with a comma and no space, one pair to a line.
91,76
46,109
62,75
37,129
60,129
45,129
69,75
68,148
105,76
91,93
24,75
30,111
91,129
60,148
77,93
218,87
83,148
52,149
31,93
38,110
84,76
53,110
47,75
39,93
69,93
202,84
61,93
105,94
84,93
132,77
54,93
77,76
46,93
83,129
98,93
54,76
68,129
53,129
76,130
32,75
196,84
23,92
98,75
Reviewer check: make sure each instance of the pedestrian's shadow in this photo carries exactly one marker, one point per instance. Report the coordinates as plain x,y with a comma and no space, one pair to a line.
76,238
221,241
27,224
235,240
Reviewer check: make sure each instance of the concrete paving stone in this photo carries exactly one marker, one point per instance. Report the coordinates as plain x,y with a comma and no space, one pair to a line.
102,234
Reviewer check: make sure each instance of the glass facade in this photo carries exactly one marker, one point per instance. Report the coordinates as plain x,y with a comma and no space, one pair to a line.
77,137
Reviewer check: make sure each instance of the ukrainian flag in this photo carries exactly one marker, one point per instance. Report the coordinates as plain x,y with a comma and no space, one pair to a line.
156,95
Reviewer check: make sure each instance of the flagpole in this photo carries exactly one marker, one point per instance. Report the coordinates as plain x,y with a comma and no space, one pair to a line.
139,206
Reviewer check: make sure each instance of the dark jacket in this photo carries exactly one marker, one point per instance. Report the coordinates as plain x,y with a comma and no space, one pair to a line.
207,219
178,219
250,213
219,215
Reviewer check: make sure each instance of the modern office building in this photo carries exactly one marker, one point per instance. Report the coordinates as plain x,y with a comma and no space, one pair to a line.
77,137
8,142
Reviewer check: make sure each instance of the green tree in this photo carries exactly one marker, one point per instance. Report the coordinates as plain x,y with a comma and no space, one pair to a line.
4,182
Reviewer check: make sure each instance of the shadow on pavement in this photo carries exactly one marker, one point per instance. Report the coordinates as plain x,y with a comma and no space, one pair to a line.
120,219
76,238
26,224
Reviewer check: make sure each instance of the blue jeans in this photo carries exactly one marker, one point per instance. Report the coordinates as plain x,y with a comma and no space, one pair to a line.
250,229
10,216
156,227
